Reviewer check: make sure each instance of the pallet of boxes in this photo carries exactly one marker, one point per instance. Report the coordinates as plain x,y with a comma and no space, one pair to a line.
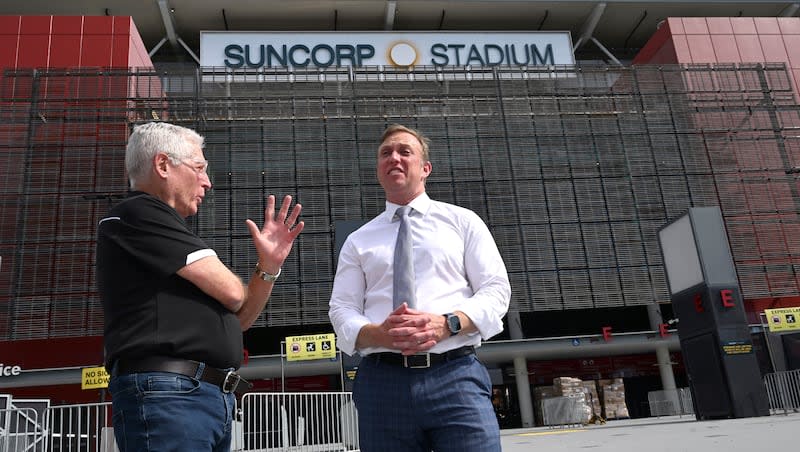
571,401
612,391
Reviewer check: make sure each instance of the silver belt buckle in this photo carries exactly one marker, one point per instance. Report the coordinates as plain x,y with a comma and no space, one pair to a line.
232,380
426,365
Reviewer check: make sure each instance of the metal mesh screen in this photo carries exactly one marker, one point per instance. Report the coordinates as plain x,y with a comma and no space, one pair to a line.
574,171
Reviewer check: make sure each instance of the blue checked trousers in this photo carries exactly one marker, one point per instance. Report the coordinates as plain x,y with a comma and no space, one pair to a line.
443,408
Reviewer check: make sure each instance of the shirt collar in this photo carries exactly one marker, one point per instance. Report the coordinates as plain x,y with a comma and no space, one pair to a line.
420,204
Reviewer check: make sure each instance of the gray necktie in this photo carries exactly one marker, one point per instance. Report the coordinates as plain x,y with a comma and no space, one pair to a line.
403,289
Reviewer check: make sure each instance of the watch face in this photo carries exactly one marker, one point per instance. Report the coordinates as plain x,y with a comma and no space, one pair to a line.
454,323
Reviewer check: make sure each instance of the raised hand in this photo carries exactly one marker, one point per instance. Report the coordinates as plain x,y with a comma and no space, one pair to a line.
274,240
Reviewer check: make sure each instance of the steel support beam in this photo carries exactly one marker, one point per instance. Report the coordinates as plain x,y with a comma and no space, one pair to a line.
168,18
790,10
391,10
587,30
169,23
495,352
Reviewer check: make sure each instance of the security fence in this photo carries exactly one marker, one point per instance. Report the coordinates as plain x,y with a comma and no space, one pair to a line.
564,411
297,422
573,169
301,422
78,428
68,428
21,429
783,390
670,402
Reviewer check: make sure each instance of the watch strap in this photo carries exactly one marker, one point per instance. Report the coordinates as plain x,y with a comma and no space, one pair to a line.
268,277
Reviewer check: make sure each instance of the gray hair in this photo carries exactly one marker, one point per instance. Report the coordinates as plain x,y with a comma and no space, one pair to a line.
147,140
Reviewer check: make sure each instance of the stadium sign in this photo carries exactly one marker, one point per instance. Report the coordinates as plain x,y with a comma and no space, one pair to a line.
276,50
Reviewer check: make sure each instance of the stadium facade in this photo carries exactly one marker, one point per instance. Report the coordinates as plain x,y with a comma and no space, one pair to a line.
574,166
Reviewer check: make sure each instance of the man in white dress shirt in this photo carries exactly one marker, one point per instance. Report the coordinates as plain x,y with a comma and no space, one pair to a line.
419,386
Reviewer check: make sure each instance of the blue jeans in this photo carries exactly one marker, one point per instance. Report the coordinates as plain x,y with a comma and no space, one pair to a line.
444,408
160,411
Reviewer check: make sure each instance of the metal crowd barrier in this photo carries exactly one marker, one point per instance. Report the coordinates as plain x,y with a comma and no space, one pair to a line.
21,429
783,390
79,428
319,421
296,422
564,411
670,402
67,428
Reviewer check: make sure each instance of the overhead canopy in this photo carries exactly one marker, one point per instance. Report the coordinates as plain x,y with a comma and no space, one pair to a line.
605,29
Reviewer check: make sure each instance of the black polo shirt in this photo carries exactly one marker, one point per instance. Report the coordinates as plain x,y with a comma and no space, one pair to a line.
149,309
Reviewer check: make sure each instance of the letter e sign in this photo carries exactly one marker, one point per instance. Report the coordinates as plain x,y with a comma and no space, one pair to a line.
727,298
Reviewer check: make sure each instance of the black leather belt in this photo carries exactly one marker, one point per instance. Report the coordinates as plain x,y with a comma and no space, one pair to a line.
227,380
421,360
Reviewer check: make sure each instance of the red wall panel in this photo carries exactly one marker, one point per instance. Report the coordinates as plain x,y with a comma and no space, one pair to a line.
35,25
749,48
719,25
726,40
700,48
96,50
743,25
123,25
695,26
789,26
773,47
120,52
724,46
767,25
71,42
9,25
8,50
34,51
67,25
65,51
98,25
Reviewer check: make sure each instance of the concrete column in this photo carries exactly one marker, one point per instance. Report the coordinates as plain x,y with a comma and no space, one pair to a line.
521,373
662,358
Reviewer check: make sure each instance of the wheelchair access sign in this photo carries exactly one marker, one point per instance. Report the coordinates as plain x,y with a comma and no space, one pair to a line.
314,346
783,319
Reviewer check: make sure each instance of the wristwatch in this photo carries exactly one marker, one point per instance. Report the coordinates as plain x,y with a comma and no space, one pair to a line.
453,323
268,277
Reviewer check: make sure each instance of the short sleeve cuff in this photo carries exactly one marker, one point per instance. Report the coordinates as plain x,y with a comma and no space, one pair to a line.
200,254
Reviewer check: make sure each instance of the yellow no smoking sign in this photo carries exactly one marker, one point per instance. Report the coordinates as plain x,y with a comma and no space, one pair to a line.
94,378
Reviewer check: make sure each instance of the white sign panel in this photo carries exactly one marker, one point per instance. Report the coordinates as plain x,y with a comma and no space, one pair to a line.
275,50
680,255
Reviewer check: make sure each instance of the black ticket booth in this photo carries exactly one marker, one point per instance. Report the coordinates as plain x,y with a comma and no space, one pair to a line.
724,376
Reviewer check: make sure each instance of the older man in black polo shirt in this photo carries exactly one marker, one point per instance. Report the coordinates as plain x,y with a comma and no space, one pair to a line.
174,313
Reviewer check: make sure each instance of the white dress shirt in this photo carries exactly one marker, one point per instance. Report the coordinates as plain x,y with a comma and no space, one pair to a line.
457,267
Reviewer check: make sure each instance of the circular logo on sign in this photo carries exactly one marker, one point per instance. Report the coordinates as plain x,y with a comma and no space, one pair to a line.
403,54
295,347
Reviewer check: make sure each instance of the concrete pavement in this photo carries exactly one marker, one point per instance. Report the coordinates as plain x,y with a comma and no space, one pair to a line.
667,434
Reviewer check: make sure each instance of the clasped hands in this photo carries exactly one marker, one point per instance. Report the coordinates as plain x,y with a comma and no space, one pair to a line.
414,331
